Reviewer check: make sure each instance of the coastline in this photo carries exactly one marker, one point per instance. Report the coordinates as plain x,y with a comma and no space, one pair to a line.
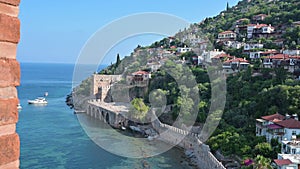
197,154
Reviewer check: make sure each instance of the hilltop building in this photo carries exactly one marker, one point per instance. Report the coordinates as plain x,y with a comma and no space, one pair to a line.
277,126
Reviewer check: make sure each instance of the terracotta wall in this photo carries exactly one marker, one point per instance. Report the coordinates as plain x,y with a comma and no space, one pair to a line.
9,79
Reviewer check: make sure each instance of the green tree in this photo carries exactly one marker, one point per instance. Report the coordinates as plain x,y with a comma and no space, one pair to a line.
263,149
229,142
281,75
262,163
138,110
227,6
118,60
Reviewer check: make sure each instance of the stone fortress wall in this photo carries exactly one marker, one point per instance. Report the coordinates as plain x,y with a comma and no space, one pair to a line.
9,79
171,135
204,158
101,85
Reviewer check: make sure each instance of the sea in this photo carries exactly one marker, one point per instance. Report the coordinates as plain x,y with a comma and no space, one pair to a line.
51,135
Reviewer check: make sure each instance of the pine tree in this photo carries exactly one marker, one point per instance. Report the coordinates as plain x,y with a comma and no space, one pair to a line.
227,8
118,60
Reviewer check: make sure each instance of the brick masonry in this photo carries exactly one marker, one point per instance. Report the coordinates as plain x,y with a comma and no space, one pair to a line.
10,73
9,79
11,2
9,146
9,28
8,111
9,10
8,50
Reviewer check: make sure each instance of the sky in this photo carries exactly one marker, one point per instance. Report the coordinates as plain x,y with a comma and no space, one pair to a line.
54,31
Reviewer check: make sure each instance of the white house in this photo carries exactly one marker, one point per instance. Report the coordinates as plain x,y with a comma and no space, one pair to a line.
290,155
234,65
233,44
285,164
291,52
184,50
259,29
250,30
248,46
255,55
139,78
291,127
154,66
289,63
211,54
290,147
259,17
227,35
267,29
293,158
277,126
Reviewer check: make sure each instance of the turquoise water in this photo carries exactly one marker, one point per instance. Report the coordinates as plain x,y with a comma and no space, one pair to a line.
51,136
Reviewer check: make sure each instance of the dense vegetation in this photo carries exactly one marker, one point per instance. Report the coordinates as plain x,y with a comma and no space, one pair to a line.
84,88
279,12
138,110
250,94
250,97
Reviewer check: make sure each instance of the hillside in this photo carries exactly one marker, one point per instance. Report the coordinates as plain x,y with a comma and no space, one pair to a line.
264,35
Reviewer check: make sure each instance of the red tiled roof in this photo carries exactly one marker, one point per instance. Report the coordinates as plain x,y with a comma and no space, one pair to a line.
222,55
274,126
260,15
140,73
279,56
258,25
294,57
282,162
226,32
261,25
251,25
273,117
236,60
243,19
270,52
289,123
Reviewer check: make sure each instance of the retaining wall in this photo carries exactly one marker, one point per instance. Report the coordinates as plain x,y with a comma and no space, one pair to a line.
173,135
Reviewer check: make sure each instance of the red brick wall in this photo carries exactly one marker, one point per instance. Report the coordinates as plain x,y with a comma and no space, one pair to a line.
9,79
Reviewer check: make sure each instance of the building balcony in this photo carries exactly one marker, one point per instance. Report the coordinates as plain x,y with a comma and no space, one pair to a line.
267,63
258,125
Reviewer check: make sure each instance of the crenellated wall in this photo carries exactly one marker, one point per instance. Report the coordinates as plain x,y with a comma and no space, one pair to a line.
186,140
9,79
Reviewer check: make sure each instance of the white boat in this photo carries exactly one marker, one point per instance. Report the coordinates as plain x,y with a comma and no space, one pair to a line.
19,106
39,100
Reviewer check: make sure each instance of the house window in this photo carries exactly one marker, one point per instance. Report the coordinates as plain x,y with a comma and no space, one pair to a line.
294,132
284,146
293,151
